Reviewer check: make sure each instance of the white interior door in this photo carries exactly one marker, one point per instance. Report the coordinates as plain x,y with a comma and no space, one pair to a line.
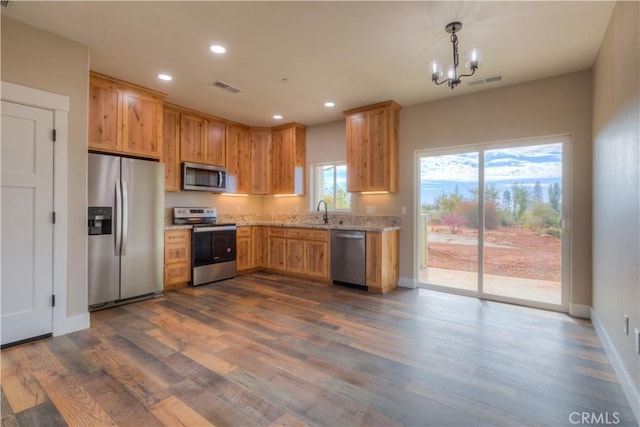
26,221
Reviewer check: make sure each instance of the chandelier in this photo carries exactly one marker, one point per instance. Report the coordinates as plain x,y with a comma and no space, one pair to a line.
453,78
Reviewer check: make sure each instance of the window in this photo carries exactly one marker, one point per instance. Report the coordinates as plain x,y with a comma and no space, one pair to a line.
329,183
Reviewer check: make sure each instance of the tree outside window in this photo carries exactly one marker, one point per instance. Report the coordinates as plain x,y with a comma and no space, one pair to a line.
330,185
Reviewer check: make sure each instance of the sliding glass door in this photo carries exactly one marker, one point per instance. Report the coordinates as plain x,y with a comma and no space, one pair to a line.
449,242
491,221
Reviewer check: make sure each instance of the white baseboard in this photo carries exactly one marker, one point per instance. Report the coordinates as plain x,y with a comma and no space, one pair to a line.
629,389
407,282
71,324
580,310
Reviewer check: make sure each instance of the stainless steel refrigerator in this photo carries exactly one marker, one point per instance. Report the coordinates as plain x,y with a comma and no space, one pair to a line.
125,230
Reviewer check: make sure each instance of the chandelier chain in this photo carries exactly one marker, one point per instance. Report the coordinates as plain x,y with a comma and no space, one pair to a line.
454,42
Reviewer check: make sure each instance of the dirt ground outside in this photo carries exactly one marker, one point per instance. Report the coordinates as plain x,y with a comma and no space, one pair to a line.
508,251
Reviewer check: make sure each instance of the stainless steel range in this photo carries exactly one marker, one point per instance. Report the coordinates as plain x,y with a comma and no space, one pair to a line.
213,245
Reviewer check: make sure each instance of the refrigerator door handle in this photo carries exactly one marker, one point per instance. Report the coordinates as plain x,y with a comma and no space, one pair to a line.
118,227
125,218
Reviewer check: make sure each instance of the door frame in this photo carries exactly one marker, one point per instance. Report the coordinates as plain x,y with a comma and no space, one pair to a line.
59,104
566,262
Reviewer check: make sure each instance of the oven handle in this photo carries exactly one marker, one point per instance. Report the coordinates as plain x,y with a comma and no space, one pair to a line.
221,228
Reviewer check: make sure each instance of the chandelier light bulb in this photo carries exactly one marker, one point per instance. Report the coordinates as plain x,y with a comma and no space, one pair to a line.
474,58
451,72
436,69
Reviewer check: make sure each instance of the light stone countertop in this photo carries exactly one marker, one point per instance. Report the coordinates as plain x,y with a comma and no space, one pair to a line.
337,221
299,225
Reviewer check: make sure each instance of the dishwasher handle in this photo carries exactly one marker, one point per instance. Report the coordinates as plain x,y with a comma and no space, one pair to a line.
358,236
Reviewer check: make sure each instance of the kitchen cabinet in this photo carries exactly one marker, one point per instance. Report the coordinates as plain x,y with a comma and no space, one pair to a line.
259,246
260,160
124,118
308,252
192,138
177,258
288,157
238,159
372,147
202,139
171,148
295,256
215,147
382,270
244,252
277,248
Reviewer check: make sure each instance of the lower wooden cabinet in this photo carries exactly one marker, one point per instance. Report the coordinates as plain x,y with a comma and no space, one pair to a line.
277,248
308,252
243,249
177,259
259,246
295,256
300,251
382,260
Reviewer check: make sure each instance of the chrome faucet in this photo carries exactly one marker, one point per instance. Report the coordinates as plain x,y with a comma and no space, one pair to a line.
325,217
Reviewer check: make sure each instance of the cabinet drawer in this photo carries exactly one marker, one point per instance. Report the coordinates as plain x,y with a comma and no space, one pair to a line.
308,234
177,273
176,253
277,232
243,232
177,236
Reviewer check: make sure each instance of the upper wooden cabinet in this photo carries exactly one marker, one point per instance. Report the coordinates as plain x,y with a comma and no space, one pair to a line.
260,160
215,147
171,149
189,136
124,118
202,139
372,147
192,138
238,160
288,157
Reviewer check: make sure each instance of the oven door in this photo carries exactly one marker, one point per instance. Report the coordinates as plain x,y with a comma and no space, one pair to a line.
213,245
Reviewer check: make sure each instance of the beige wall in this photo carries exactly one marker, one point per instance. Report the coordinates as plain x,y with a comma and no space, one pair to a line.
616,186
223,204
559,105
42,60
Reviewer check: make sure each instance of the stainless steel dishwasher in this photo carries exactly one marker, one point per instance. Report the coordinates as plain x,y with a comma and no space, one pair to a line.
348,257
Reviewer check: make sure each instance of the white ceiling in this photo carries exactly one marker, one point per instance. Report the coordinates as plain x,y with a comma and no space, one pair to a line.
352,53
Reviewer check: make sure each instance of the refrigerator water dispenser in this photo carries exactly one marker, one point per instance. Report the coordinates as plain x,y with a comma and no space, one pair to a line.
99,220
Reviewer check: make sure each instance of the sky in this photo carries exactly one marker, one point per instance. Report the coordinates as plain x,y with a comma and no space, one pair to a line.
503,167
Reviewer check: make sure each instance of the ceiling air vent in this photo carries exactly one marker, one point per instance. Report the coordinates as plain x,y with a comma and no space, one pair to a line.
225,86
487,80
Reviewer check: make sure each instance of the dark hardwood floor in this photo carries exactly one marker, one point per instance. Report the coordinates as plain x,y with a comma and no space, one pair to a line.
266,350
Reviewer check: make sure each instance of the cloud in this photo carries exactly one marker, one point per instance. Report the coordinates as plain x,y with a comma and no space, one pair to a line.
509,164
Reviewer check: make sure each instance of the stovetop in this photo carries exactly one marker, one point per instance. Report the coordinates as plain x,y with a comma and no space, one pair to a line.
195,216
198,217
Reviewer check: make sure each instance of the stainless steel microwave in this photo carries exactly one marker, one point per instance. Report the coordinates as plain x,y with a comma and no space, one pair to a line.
200,177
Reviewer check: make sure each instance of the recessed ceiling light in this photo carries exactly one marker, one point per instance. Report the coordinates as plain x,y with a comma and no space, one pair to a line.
215,48
277,116
329,104
165,77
